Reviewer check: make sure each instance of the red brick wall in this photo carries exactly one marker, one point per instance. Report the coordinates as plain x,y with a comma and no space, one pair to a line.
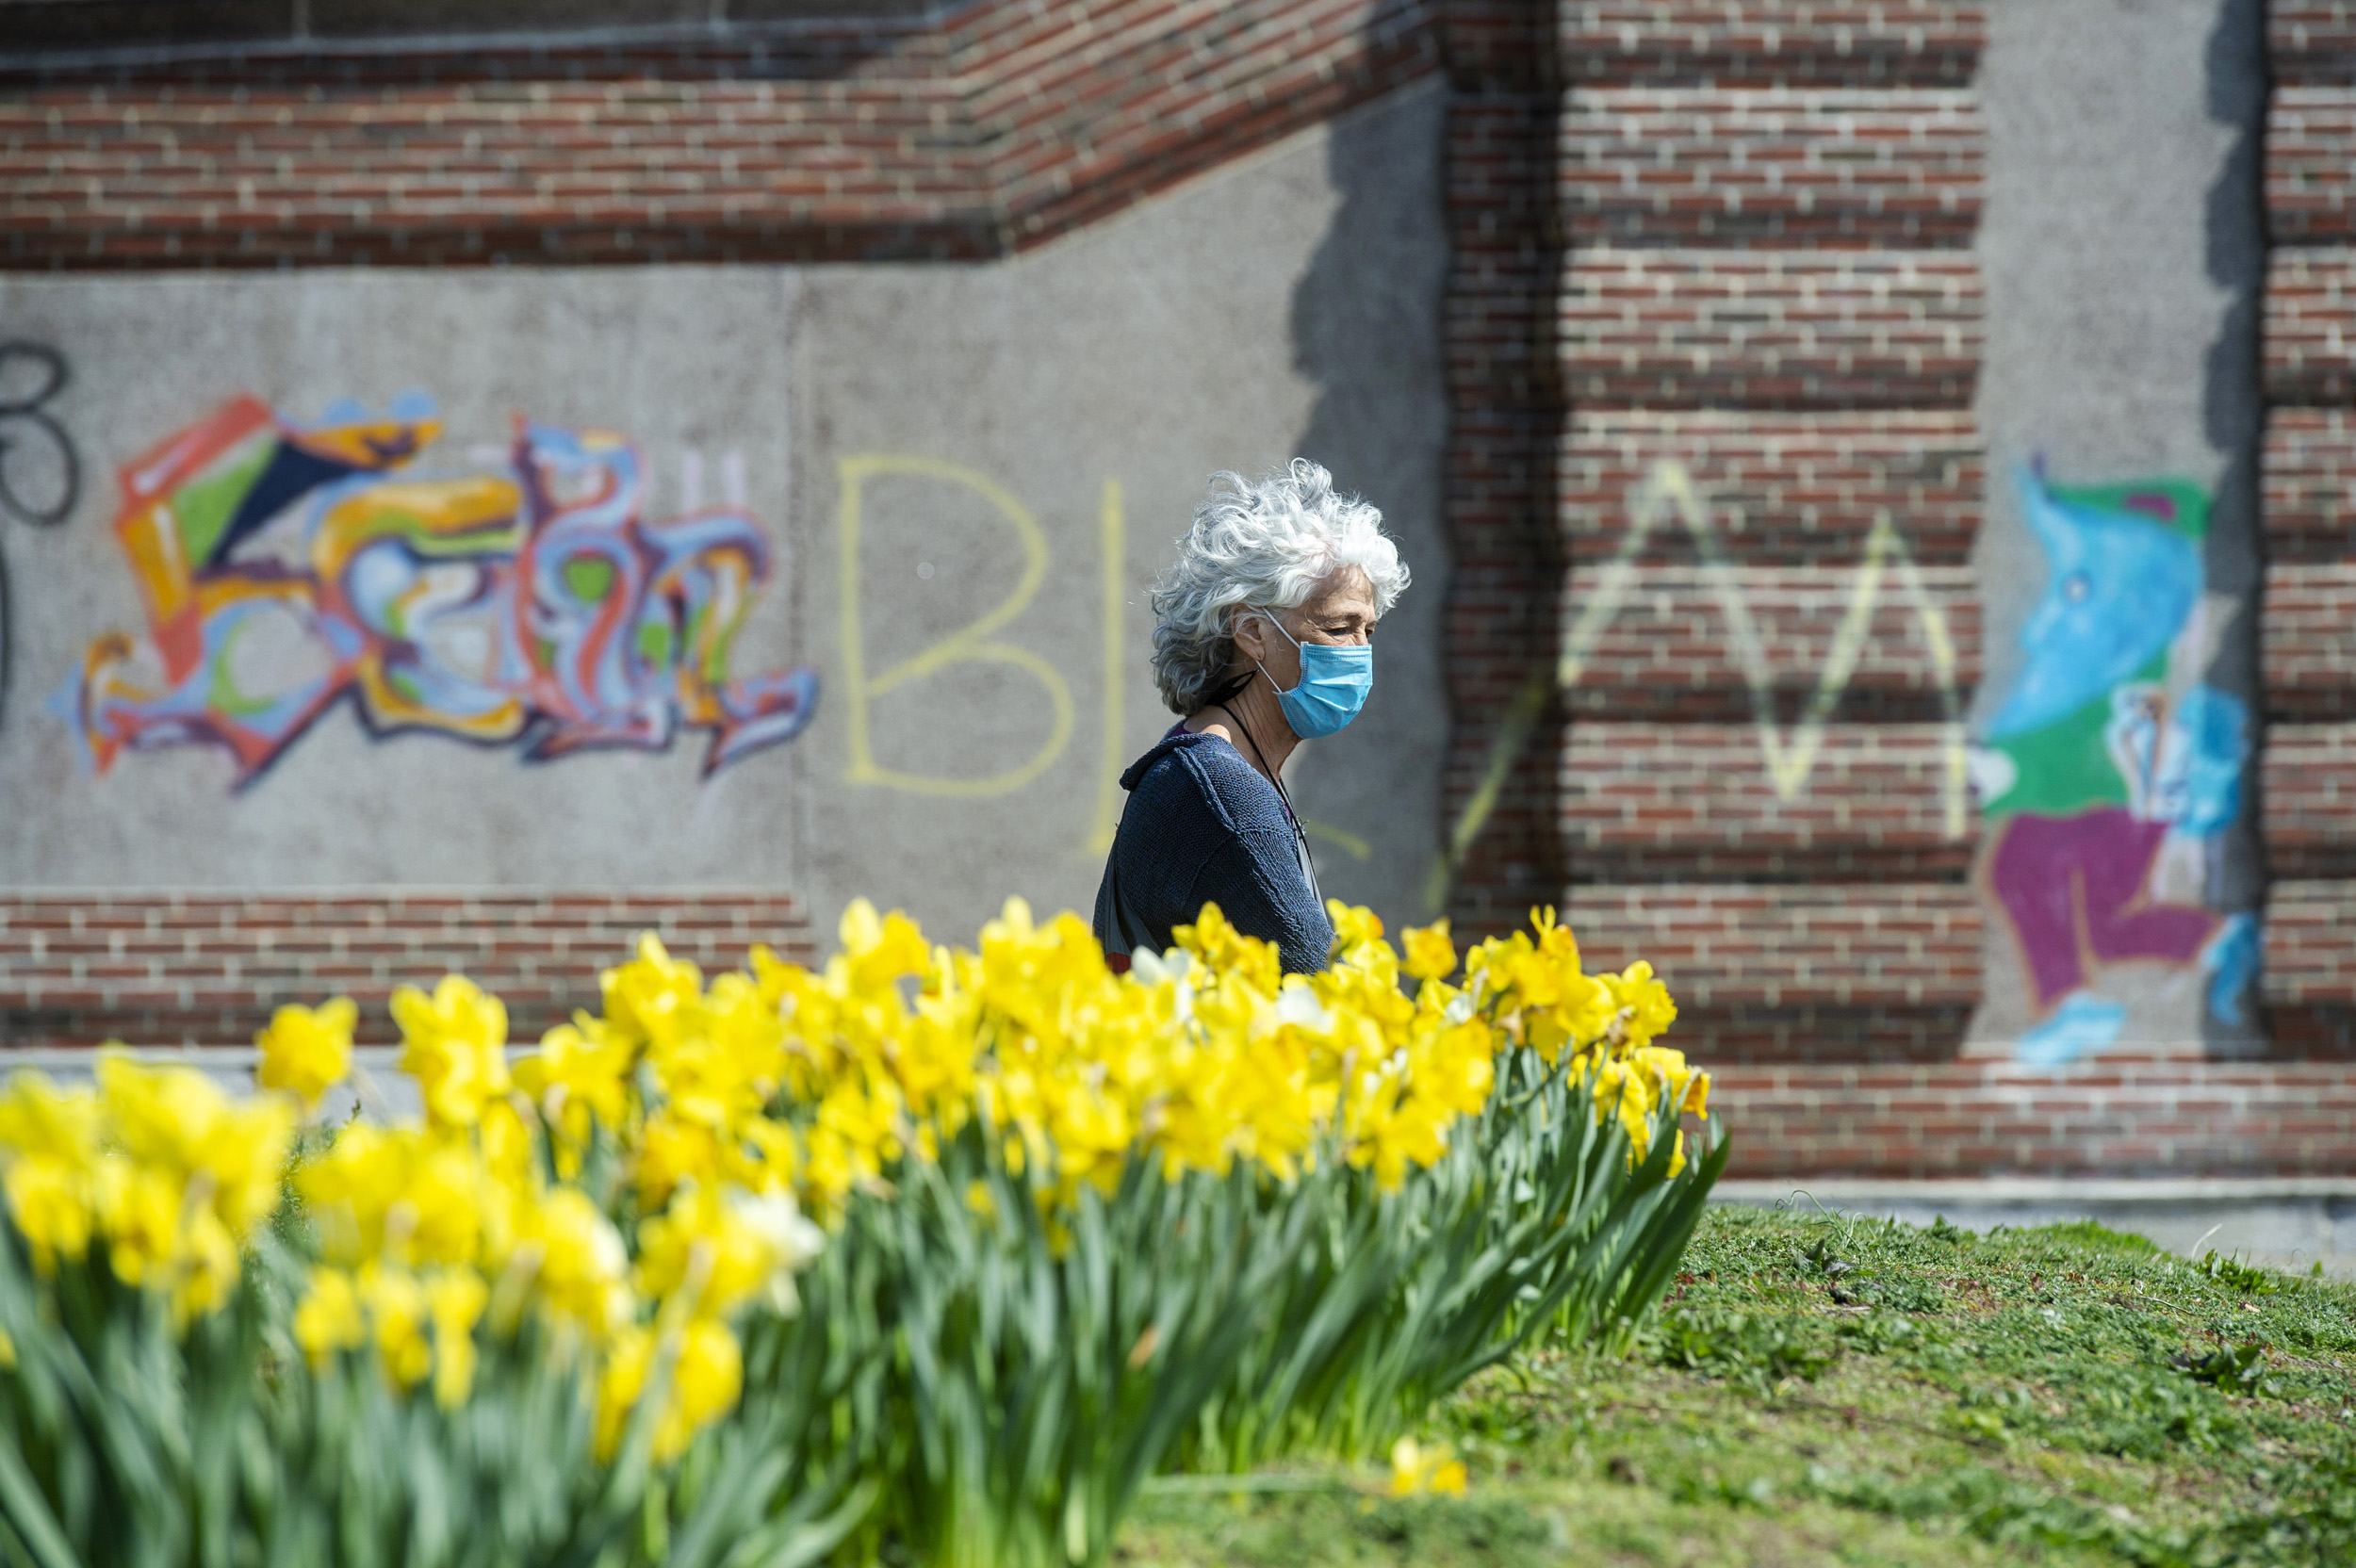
1768,206
992,126
2310,44
1644,329
2118,1115
1699,167
1649,802
1799,489
2309,130
2304,638
1667,656
2310,791
2308,466
172,969
1505,406
1774,44
2310,989
2309,324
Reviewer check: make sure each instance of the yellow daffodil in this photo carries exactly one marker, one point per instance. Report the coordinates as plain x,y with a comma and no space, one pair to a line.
705,1383
628,1361
38,1119
454,1299
455,1045
576,1261
1431,955
138,1210
1223,948
707,1375
328,1318
402,1193
1392,1127
397,1314
673,1151
51,1202
714,1251
203,1266
179,1121
579,1077
1417,1469
645,997
49,1141
880,949
723,1114
307,1049
1643,1004
720,1081
1354,927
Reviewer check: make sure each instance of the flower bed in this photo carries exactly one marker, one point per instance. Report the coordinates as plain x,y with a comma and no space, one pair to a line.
929,1251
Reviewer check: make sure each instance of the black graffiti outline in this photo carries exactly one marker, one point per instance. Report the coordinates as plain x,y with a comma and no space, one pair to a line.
32,409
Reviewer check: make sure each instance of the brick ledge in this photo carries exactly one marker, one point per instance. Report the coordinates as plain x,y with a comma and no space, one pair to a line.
2039,1189
997,128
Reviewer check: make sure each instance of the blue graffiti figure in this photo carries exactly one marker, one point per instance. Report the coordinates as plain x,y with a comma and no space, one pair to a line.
2120,588
2186,770
2123,767
2083,1025
2233,958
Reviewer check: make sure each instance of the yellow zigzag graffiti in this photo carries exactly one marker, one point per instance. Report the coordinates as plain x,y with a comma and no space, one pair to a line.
1668,493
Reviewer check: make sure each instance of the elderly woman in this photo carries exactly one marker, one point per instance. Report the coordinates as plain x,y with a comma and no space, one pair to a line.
1263,639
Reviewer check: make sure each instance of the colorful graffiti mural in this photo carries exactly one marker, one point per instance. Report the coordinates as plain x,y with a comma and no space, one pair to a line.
284,564
2111,770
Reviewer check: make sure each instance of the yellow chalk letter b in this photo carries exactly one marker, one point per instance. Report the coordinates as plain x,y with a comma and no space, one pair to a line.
970,644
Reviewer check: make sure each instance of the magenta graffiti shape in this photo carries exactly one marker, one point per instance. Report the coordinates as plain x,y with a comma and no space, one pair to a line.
2074,887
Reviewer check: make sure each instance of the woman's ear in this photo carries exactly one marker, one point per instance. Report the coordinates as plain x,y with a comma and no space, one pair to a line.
1250,632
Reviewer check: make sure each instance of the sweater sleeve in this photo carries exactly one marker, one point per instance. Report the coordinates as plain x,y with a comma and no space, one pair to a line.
1236,878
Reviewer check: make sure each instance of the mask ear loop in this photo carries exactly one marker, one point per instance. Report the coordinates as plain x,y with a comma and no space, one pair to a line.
1269,616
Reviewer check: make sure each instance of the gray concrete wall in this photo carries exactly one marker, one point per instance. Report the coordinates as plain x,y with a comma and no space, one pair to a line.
2123,256
680,362
1020,442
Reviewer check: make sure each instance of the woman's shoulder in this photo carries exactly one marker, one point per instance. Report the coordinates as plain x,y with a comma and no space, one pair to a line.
1207,768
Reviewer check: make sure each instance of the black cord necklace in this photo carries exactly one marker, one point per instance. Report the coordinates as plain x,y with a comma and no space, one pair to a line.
1300,835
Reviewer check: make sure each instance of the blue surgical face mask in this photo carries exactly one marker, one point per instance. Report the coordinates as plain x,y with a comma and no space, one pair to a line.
1334,680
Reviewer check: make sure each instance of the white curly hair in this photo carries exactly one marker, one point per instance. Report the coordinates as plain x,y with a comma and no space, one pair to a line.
1266,547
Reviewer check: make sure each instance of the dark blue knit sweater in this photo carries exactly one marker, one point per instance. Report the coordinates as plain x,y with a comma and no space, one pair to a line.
1203,826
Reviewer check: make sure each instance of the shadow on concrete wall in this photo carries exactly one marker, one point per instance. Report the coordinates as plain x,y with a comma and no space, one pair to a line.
2234,417
1366,328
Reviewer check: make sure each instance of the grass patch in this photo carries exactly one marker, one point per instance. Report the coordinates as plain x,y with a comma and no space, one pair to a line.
1825,1390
